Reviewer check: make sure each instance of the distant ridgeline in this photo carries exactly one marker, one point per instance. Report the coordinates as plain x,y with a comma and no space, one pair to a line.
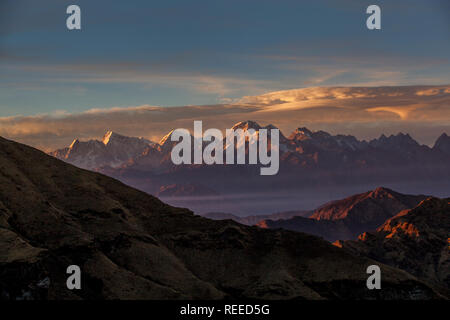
308,160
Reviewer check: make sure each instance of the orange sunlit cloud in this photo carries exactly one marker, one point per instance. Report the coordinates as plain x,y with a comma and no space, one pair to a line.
366,112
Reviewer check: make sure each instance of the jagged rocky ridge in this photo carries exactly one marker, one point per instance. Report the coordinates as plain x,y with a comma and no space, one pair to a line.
311,163
301,147
416,240
345,219
113,150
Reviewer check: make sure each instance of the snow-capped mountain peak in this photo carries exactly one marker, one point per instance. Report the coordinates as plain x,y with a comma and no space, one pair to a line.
245,125
113,150
107,137
165,138
300,134
74,143
303,148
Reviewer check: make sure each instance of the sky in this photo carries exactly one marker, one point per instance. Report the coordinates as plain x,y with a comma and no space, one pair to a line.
174,53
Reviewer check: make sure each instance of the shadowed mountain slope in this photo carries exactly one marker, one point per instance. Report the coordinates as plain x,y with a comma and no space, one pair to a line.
130,245
345,219
416,240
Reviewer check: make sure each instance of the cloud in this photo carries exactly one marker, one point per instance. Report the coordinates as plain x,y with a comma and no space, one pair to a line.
365,112
360,67
145,75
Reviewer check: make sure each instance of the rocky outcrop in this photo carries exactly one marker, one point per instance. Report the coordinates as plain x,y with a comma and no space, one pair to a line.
345,219
416,240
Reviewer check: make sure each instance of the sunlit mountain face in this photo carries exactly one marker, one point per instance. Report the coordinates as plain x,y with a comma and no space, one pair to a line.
347,218
416,240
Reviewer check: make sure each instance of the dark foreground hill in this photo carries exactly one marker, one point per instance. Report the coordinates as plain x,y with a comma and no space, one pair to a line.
416,240
130,245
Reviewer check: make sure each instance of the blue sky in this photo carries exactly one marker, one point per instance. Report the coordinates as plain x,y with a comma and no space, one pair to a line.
173,53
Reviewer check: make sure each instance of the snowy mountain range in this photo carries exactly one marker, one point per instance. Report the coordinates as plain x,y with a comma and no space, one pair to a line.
311,163
113,150
116,150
